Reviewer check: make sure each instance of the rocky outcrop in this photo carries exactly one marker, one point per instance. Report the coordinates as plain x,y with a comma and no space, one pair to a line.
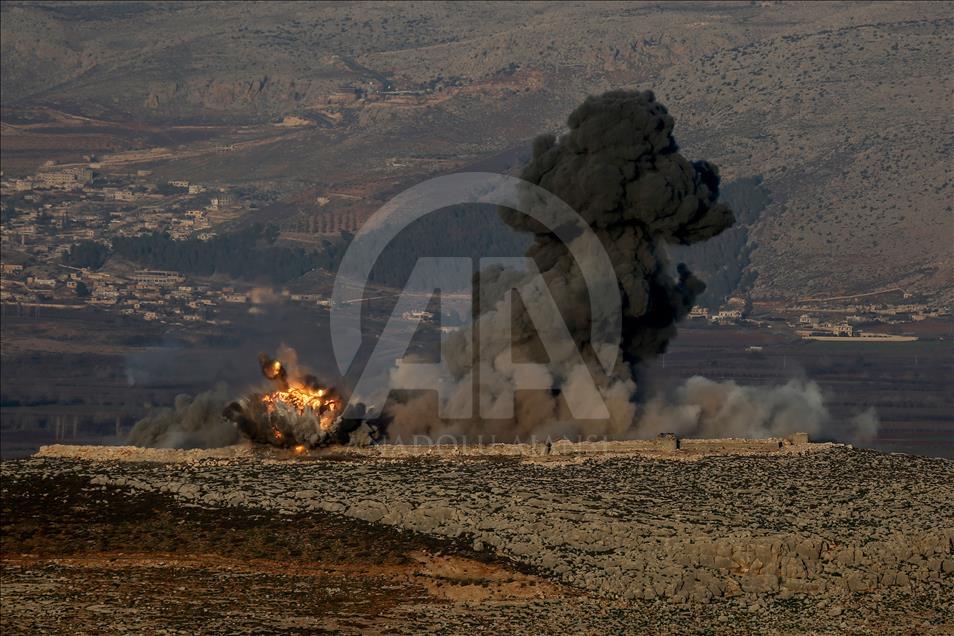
823,523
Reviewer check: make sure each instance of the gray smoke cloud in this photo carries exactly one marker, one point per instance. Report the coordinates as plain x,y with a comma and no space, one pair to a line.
191,423
619,167
705,408
864,426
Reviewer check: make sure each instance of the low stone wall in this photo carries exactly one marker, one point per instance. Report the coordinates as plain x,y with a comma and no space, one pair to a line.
138,454
663,447
730,445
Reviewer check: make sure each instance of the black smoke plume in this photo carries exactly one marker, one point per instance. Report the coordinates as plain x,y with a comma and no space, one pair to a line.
619,167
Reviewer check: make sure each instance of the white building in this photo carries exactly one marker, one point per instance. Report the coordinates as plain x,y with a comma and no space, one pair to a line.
699,312
157,277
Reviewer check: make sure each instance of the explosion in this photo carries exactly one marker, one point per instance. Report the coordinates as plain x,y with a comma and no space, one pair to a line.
300,397
298,414
619,167
617,164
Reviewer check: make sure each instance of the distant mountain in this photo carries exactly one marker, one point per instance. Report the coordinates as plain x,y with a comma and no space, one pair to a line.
844,109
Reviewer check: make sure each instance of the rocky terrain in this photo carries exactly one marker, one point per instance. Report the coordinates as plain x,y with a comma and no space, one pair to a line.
841,107
826,538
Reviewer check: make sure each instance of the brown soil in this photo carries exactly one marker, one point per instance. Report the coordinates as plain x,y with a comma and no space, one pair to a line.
78,559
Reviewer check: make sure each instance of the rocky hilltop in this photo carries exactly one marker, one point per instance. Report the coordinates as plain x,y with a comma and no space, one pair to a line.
832,528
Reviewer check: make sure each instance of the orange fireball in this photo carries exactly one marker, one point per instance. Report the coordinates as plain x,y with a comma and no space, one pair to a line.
298,396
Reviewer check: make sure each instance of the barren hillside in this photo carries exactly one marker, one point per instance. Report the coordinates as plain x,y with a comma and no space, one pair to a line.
832,540
844,108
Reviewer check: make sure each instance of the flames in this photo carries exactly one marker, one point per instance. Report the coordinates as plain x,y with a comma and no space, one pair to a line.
273,370
298,413
302,398
299,397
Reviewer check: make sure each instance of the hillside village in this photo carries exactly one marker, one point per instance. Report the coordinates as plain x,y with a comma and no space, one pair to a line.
51,216
47,216
850,320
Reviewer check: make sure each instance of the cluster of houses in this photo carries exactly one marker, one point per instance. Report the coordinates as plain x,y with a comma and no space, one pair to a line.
46,214
152,295
733,311
834,321
886,313
810,326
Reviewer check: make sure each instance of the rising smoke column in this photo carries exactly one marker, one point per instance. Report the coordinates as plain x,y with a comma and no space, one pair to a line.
619,167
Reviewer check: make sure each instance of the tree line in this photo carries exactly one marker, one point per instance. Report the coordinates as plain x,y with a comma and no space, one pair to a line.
249,254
